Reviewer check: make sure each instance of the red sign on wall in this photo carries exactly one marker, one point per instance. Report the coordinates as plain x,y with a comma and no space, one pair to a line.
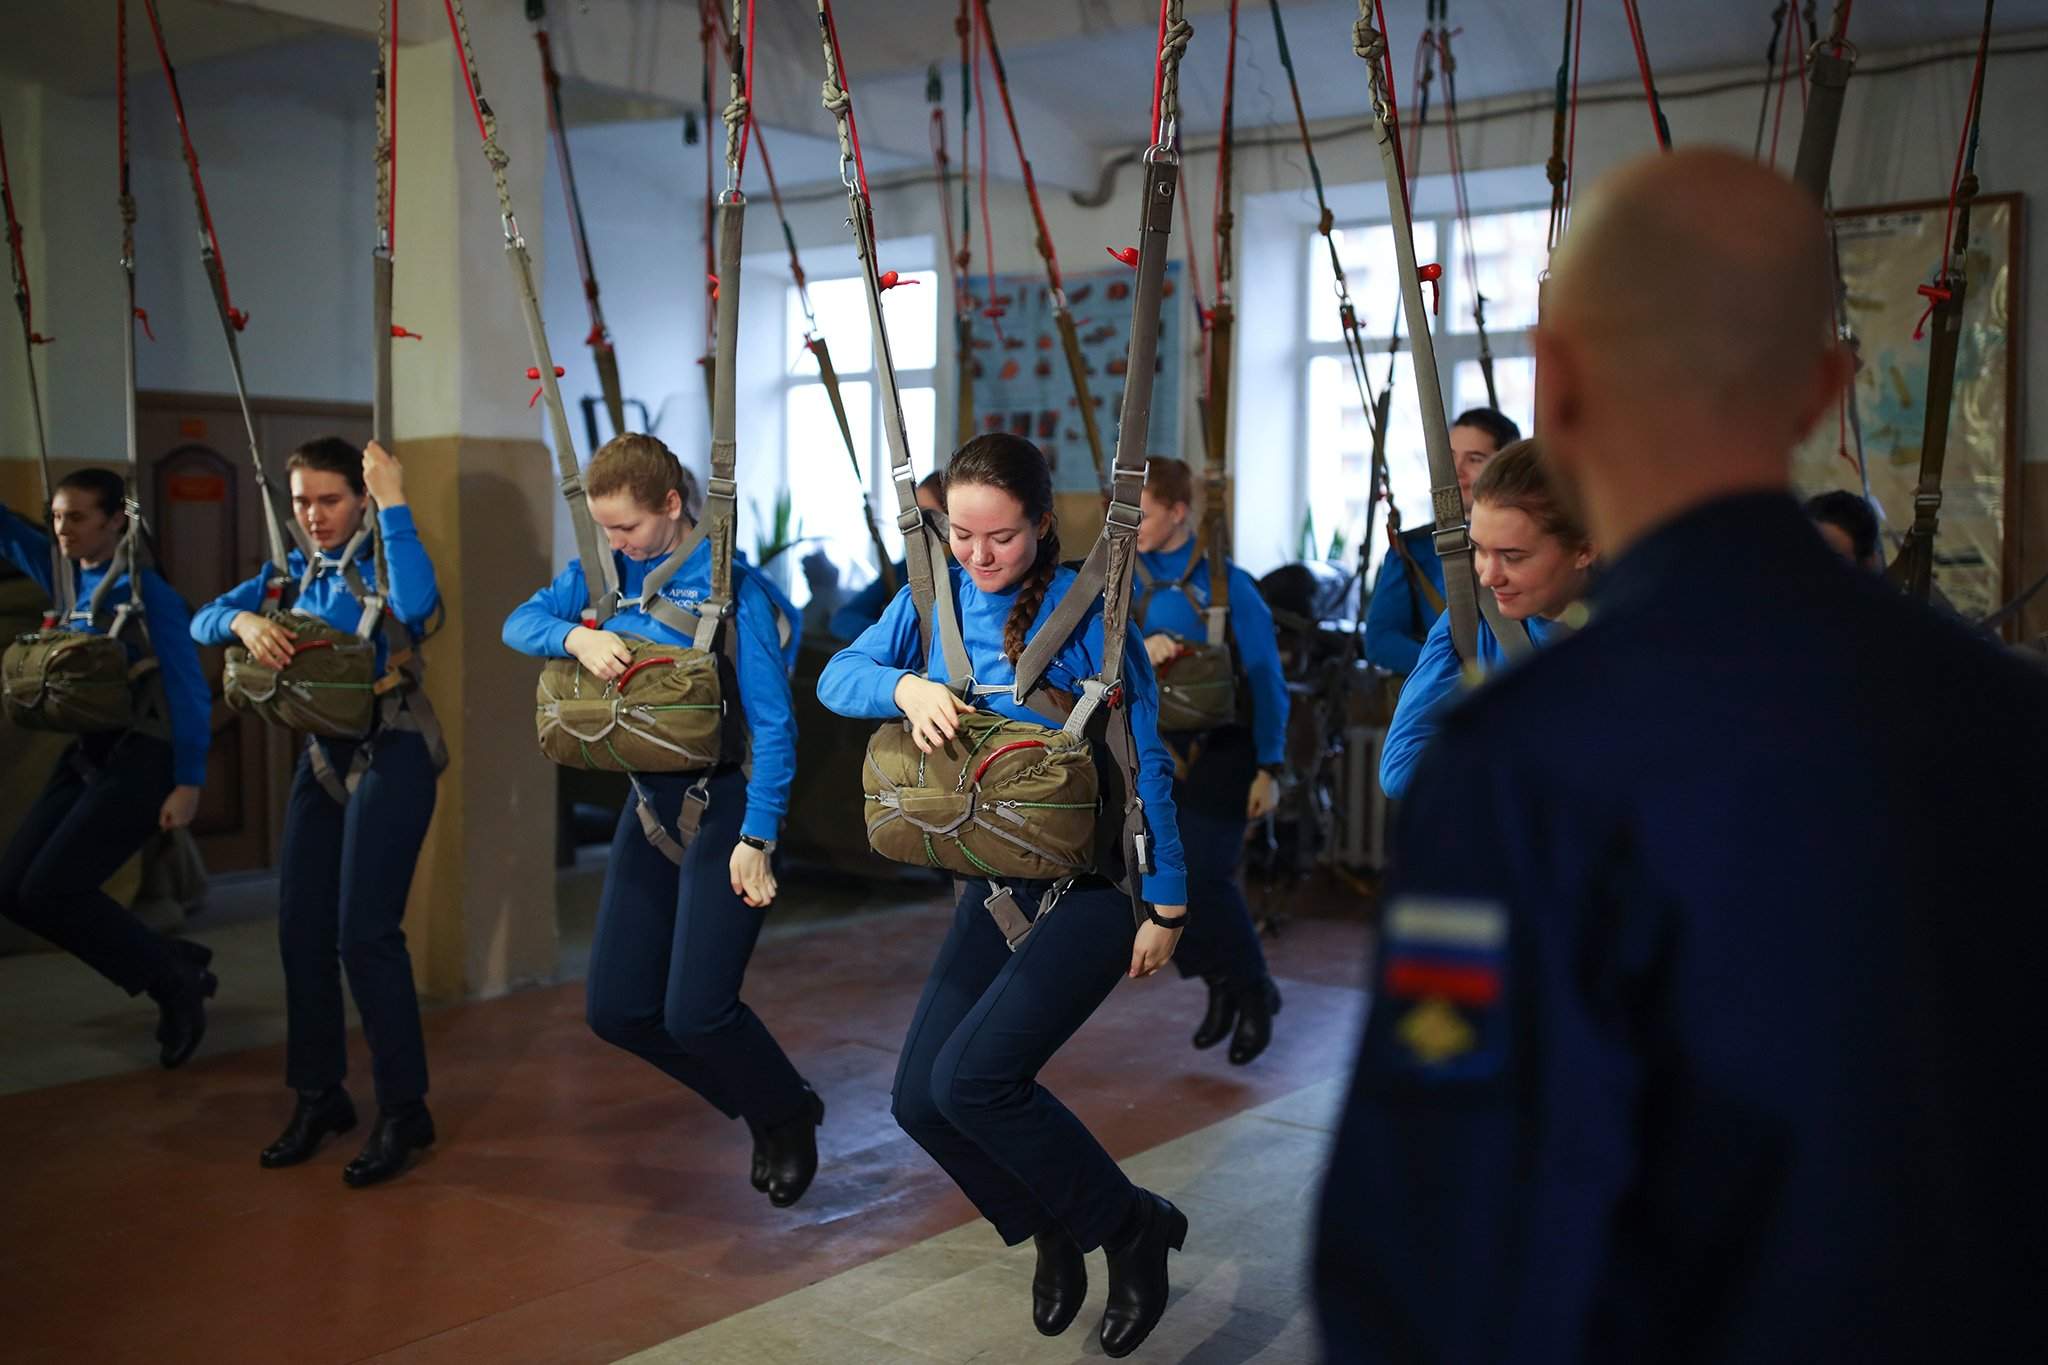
198,488
192,428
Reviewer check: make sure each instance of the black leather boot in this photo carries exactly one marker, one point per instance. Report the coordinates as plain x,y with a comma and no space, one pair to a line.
181,1008
1222,1014
1060,1283
313,1118
791,1152
758,1173
393,1140
1255,1023
1137,1275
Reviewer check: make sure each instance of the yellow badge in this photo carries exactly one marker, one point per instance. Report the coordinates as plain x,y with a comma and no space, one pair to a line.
1435,1032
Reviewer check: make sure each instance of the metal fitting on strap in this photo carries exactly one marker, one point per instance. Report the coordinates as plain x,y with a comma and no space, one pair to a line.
1124,514
721,488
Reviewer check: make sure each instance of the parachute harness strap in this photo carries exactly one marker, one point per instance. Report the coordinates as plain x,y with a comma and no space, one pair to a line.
600,575
232,319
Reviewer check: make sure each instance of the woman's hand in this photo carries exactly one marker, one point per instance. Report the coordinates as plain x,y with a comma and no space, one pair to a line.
606,655
383,476
179,808
1159,648
268,643
1156,942
931,708
1265,796
753,875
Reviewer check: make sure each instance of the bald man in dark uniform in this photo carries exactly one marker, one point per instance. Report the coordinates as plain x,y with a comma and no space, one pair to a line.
1701,1021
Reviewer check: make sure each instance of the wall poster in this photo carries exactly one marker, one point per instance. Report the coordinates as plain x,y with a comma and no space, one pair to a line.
1021,383
1886,254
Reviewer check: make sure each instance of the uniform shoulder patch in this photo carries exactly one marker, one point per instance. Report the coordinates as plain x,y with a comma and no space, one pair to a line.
1444,978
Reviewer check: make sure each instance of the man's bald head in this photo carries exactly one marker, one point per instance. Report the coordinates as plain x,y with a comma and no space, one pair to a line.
1697,268
1687,327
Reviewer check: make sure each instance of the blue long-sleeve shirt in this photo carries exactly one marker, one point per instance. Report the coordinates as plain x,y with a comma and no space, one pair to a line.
865,607
794,644
1251,627
1399,619
861,681
1432,686
169,622
414,592
540,626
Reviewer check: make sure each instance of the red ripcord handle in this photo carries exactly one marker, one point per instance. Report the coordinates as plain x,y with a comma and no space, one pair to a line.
301,646
627,676
236,317
1011,747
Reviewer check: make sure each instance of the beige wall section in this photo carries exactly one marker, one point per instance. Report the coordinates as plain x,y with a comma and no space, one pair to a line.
482,913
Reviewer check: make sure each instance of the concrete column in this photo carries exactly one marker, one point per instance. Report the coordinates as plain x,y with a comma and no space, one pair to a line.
482,915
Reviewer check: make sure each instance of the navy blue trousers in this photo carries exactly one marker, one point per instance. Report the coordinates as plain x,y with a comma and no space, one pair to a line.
967,1083
98,807
669,955
341,893
1221,941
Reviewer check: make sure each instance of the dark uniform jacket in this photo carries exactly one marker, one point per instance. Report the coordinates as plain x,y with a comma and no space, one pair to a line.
1708,1002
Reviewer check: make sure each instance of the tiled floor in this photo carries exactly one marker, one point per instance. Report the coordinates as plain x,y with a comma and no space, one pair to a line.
579,1206
1248,1185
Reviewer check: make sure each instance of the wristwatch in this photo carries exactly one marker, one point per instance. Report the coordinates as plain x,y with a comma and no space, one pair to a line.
765,845
1276,771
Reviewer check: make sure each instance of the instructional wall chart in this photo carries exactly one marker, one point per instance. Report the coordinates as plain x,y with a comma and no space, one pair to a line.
1021,381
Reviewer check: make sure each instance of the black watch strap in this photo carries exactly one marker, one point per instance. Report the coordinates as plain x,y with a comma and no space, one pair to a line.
1179,921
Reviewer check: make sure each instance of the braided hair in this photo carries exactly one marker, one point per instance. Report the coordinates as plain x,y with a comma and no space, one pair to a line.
1019,468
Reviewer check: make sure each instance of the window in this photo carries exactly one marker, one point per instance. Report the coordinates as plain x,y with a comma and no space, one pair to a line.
824,487
1509,250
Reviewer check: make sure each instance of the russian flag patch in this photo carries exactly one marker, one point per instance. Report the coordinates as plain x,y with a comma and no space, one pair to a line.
1444,974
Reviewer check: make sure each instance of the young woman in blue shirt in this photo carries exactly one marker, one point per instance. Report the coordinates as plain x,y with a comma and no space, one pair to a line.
346,867
111,791
967,1082
672,943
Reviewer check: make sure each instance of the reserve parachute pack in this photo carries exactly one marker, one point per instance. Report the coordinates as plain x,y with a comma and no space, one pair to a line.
1199,686
1009,799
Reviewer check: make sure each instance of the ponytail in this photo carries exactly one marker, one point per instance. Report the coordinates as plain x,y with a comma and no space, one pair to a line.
1031,595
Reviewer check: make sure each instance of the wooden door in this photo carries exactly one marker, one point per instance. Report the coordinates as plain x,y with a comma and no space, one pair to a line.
201,497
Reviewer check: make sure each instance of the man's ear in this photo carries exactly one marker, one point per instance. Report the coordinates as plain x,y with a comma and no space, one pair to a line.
1558,387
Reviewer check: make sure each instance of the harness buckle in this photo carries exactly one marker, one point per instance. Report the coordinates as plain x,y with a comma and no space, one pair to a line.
727,489
1126,515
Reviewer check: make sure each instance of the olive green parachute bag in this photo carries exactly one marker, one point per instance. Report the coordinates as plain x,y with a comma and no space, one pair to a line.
1002,798
329,687
665,713
1198,689
70,681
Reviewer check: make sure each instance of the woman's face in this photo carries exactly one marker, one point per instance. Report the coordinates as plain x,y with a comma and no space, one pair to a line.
1530,571
327,508
636,530
85,531
993,538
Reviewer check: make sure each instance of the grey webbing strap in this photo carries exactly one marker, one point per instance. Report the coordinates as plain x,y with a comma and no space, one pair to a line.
1513,635
1453,543
1109,566
650,823
1829,65
323,770
814,342
931,581
1011,921
1077,370
600,576
273,525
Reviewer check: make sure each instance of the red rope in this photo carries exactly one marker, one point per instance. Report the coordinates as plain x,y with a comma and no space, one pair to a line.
121,86
1955,181
1220,267
1393,104
991,308
747,89
560,137
461,59
1159,76
35,338
1784,76
1571,141
236,317
852,127
1203,315
391,122
1635,29
987,32
1841,34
